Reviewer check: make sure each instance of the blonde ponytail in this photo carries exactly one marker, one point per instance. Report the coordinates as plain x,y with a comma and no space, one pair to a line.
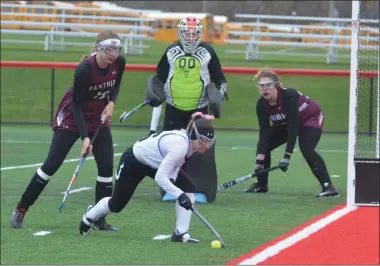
84,56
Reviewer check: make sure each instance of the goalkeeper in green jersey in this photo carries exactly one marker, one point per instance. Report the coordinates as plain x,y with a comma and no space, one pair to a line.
191,80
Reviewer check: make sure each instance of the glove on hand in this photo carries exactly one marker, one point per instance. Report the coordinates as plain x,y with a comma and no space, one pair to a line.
185,202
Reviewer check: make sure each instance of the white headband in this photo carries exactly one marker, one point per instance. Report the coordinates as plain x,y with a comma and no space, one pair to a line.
113,42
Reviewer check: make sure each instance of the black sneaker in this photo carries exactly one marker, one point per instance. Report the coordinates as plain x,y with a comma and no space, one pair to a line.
18,217
328,190
101,224
183,238
84,226
85,223
256,188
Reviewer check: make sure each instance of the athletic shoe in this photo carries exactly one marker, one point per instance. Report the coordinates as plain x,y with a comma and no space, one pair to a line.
328,190
86,223
18,217
183,238
256,188
101,224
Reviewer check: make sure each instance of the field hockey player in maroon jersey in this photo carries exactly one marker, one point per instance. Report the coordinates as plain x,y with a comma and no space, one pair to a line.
86,106
283,115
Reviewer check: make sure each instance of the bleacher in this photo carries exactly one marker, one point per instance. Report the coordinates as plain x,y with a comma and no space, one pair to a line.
56,21
327,34
294,36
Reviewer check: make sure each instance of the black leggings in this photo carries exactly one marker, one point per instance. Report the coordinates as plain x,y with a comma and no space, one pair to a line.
177,119
62,143
308,139
130,173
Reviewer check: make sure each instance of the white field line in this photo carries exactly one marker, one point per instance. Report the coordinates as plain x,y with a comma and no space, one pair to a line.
118,154
42,233
162,237
10,141
295,238
296,150
39,164
77,190
125,144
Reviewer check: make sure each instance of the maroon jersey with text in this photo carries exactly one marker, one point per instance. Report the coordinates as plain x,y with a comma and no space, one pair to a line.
292,111
309,112
98,84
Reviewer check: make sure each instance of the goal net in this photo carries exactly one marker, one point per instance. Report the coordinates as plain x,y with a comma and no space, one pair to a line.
363,149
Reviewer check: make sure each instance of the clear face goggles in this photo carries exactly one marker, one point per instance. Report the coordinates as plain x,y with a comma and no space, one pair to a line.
111,47
266,84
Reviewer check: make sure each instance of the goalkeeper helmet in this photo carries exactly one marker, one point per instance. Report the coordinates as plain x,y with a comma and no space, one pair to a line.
190,31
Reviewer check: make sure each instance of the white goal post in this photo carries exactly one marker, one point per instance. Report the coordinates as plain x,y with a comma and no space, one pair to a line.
357,140
352,104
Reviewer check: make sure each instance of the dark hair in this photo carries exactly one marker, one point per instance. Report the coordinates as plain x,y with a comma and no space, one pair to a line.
203,126
104,35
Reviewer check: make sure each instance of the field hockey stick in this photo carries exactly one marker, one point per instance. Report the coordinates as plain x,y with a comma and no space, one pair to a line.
126,114
83,157
209,226
231,183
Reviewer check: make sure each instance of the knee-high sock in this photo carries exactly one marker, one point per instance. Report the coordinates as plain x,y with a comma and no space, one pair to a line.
156,113
317,166
100,210
319,169
34,189
183,216
103,188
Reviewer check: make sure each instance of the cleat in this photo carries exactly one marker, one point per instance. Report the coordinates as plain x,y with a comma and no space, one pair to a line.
101,224
184,238
256,188
328,190
85,224
18,217
84,228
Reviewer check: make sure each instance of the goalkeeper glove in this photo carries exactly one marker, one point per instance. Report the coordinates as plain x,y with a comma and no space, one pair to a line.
224,91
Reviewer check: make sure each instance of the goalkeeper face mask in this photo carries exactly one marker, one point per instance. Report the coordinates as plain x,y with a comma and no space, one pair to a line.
190,31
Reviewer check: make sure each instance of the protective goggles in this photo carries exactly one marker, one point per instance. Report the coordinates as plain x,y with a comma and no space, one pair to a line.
266,84
110,46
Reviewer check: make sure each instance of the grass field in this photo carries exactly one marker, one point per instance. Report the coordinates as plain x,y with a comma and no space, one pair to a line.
244,220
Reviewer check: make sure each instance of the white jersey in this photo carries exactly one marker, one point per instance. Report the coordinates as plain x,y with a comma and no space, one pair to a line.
166,152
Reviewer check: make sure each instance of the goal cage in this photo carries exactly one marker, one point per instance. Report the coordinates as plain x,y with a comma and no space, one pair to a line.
363,171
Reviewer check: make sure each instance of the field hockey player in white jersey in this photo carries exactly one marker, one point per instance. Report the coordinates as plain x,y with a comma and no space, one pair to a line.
159,156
